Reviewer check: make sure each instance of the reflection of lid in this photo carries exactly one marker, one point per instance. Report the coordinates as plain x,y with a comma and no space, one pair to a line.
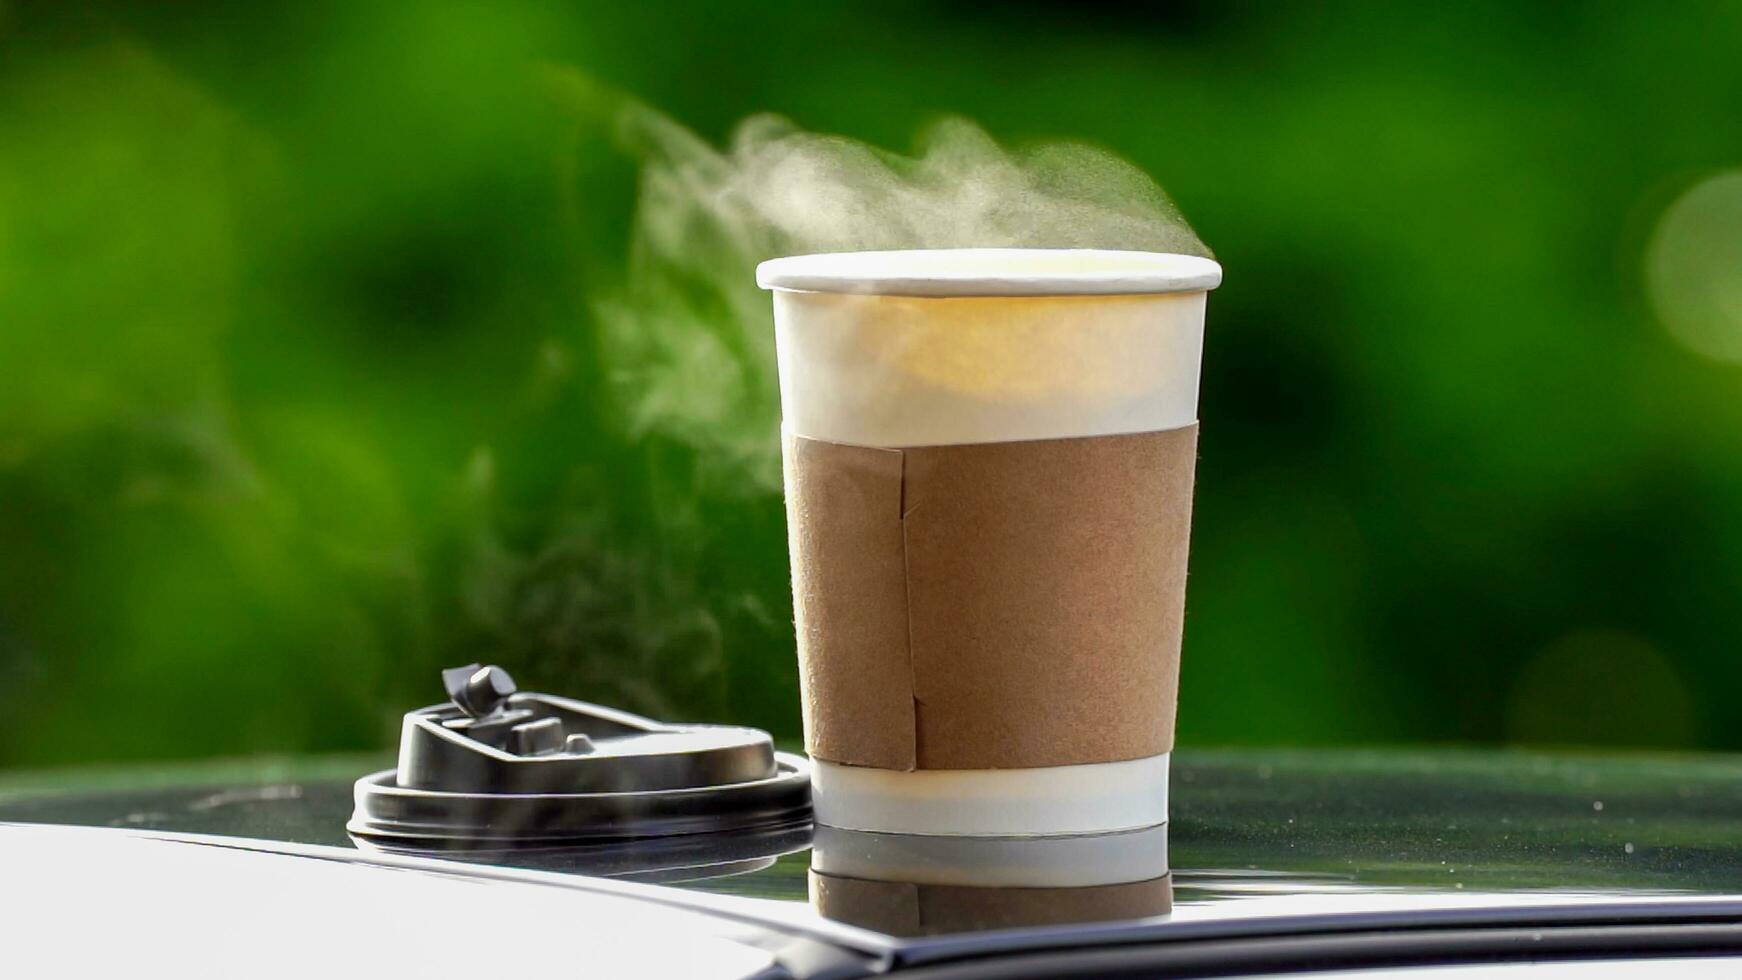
496,769
906,884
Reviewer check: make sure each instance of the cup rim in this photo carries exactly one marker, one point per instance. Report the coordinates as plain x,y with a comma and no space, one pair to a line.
992,272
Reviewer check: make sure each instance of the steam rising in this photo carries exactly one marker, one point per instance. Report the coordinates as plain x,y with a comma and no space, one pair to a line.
690,332
787,191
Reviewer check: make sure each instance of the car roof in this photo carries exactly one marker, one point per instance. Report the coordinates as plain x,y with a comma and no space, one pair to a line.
1262,843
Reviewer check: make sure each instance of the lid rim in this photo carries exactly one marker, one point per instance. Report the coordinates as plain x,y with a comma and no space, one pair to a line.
977,272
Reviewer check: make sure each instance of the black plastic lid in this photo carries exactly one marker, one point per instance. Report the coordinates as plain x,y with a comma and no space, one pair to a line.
494,768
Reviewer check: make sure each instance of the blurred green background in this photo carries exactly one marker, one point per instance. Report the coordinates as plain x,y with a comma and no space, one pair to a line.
321,360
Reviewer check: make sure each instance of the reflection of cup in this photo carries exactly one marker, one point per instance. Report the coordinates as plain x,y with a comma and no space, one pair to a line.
918,885
989,458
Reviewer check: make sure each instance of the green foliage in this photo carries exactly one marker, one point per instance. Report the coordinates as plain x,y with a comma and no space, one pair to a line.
332,352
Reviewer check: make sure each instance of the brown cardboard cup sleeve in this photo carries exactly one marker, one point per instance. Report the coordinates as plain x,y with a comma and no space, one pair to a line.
990,606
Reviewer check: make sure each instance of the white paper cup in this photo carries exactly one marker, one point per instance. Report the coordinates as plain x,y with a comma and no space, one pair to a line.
897,350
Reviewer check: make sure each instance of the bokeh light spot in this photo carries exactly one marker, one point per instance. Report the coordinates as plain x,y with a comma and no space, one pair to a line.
1693,267
1601,688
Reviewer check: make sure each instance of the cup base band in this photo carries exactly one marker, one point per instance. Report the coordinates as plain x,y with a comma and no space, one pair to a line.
1050,801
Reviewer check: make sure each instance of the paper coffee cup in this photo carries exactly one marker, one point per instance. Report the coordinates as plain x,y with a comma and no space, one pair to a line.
989,458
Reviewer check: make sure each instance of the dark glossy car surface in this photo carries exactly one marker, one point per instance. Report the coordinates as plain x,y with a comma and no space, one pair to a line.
1279,861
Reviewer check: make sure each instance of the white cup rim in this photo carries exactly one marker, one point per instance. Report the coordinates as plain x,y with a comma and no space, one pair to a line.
992,272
